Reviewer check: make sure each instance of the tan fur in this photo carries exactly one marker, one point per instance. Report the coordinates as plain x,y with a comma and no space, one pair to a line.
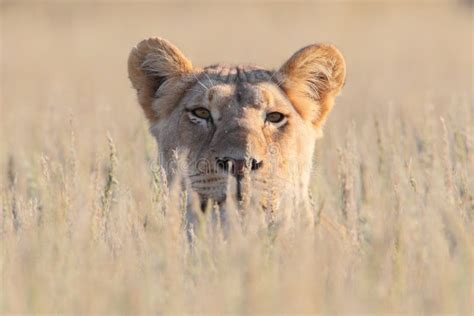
152,61
314,75
238,98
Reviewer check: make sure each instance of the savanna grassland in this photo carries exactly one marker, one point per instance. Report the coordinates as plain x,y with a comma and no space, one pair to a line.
87,225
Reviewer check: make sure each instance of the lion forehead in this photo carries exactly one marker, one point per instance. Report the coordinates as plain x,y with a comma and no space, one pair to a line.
228,87
237,74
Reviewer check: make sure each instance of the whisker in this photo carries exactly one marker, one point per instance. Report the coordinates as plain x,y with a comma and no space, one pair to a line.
208,78
199,81
273,74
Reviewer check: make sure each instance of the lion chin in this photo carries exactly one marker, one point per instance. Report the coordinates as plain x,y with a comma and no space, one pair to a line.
248,133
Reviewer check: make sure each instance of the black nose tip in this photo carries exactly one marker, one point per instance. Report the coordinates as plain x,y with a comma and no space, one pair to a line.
237,166
255,165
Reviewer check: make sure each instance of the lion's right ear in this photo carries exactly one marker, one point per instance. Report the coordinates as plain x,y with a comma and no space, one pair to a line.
151,64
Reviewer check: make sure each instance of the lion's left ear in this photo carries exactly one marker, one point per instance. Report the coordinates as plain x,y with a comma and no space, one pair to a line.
312,78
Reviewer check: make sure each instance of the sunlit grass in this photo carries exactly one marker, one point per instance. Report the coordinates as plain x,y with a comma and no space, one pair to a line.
88,224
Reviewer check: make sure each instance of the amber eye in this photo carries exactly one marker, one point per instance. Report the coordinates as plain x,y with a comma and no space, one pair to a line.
275,117
202,113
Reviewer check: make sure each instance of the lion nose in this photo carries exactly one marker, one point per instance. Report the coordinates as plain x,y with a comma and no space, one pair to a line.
237,167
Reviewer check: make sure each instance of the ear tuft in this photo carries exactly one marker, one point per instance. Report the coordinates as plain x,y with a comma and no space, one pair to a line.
150,64
312,78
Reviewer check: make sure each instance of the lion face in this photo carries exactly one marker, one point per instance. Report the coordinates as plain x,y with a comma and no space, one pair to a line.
255,126
236,121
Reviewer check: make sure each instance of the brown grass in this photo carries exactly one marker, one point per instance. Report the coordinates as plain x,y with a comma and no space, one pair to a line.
87,225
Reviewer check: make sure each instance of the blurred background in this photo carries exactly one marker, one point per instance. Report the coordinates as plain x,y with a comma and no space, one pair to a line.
408,52
395,166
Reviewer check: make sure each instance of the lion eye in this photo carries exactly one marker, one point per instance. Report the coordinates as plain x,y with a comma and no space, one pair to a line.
275,117
202,113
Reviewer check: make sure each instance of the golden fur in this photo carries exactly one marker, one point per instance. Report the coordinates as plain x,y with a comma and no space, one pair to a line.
277,156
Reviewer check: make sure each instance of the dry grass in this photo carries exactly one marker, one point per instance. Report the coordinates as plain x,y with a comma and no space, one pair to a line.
88,227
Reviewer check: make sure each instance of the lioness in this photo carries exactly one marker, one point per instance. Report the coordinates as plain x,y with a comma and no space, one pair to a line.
255,125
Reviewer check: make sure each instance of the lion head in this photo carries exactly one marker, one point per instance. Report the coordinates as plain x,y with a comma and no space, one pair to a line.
254,125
